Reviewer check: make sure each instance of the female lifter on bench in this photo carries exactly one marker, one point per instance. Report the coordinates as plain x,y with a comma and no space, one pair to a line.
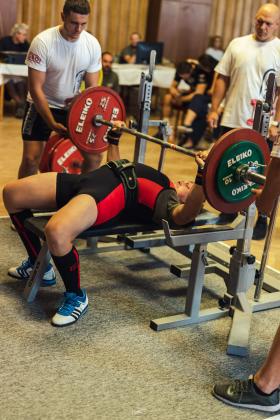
98,198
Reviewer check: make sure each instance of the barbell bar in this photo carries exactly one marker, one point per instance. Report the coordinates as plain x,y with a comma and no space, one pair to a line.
98,120
234,165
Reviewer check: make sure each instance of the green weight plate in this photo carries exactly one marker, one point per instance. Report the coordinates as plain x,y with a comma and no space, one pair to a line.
229,186
217,161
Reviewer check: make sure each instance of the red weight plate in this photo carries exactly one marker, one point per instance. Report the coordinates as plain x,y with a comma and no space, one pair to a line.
66,158
93,101
44,165
212,162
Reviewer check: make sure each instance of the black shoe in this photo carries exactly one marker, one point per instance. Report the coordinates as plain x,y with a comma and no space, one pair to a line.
185,141
260,228
244,394
225,218
159,135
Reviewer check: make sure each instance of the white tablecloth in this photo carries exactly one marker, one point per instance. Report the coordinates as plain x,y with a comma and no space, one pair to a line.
9,70
129,74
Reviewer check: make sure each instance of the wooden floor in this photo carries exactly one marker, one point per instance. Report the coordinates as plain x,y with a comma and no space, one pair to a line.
176,166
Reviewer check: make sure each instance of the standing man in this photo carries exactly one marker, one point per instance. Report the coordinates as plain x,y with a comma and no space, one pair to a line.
242,76
58,60
110,78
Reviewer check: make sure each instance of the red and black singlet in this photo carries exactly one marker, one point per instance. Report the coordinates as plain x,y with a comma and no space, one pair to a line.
156,195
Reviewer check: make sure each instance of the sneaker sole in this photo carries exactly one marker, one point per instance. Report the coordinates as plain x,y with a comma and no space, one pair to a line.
17,277
268,408
45,283
70,323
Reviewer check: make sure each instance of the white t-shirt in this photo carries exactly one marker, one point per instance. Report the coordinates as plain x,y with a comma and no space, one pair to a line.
65,63
215,53
248,63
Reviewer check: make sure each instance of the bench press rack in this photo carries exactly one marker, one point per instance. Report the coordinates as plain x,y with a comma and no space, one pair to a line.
240,278
241,267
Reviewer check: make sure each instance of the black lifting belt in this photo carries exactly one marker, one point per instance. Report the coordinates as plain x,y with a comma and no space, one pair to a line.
126,172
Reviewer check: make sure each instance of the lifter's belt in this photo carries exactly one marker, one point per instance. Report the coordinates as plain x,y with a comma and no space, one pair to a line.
126,172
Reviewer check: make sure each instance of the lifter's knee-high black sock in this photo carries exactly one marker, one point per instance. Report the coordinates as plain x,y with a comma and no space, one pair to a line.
69,268
30,240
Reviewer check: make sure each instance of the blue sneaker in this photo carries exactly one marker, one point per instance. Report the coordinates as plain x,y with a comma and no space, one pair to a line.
24,270
72,308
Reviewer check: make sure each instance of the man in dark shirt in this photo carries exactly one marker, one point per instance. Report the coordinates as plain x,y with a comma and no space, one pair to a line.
128,54
189,91
110,78
16,88
83,201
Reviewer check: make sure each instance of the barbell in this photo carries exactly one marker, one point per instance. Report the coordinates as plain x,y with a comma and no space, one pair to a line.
235,164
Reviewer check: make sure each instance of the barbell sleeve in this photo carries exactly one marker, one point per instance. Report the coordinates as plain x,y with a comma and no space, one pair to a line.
255,177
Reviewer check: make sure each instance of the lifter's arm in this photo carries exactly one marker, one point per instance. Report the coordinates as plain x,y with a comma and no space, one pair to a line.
113,137
36,80
187,212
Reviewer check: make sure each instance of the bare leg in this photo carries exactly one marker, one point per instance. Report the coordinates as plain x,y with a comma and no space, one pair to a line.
31,155
166,108
75,217
11,89
268,376
38,191
190,117
91,161
21,89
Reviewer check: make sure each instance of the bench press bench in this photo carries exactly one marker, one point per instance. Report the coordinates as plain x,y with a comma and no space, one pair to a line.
191,241
131,238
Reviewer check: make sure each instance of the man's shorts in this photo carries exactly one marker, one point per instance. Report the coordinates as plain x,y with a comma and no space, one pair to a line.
34,128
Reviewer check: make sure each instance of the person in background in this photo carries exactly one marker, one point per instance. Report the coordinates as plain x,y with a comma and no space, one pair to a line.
109,78
189,91
58,59
130,93
242,76
128,54
86,200
215,47
16,88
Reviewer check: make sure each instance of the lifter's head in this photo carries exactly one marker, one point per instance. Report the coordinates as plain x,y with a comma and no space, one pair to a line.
267,22
183,188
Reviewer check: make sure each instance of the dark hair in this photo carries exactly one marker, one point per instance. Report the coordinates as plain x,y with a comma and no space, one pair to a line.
81,7
107,52
207,62
213,38
184,67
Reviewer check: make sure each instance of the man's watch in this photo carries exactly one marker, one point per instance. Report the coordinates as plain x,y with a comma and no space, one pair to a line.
275,123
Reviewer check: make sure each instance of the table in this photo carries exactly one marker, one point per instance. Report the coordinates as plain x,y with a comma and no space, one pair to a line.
129,75
6,72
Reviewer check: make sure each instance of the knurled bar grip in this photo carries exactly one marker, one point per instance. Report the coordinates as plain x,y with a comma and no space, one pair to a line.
99,120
